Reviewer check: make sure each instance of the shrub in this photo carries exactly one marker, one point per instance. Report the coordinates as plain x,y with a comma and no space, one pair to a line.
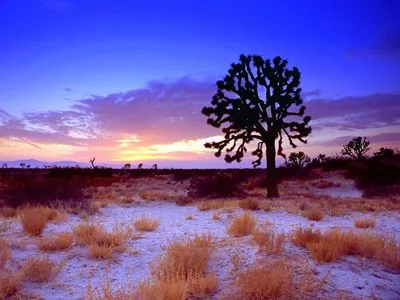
146,224
314,213
297,160
365,223
242,225
203,285
59,242
210,204
249,204
216,215
38,269
9,285
268,241
171,289
221,185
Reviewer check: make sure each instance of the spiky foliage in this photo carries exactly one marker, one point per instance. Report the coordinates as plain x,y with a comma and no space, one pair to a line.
297,159
252,104
356,148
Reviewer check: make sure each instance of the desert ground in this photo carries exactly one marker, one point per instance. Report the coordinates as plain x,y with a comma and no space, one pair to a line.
150,237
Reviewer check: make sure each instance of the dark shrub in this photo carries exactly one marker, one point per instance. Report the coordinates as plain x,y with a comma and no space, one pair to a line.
222,184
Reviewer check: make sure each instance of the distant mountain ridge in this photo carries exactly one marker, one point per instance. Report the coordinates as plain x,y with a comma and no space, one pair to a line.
33,163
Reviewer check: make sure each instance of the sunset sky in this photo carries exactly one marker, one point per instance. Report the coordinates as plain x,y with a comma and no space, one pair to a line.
125,81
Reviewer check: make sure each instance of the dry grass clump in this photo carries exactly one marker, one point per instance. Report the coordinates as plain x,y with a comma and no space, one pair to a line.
100,251
314,213
276,279
249,204
107,292
242,225
8,212
5,253
266,281
167,289
304,236
38,269
35,218
61,241
365,223
210,205
203,285
184,258
101,243
146,224
9,285
334,244
269,241
86,233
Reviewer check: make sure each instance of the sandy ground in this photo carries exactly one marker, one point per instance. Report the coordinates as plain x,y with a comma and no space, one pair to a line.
360,277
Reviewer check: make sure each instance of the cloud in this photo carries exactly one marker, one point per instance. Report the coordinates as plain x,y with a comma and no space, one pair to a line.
163,120
355,113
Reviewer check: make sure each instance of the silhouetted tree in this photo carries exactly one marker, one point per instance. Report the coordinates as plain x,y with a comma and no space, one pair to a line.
297,159
127,166
140,166
4,166
22,165
155,167
356,148
252,102
28,166
384,152
91,161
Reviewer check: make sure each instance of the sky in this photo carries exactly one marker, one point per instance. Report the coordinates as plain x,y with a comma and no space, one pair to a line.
125,81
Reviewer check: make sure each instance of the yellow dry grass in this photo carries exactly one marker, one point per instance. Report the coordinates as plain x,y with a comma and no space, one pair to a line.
101,243
249,204
146,224
38,269
184,258
35,218
242,225
216,215
5,253
365,223
8,212
217,204
314,213
269,241
334,244
61,241
10,284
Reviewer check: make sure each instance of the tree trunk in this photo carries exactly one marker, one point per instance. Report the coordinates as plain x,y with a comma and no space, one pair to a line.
272,184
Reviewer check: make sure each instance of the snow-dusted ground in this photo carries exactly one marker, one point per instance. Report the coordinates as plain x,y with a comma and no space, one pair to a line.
360,277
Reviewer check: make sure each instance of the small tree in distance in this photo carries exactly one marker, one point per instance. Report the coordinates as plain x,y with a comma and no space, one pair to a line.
252,104
127,166
297,160
356,148
384,152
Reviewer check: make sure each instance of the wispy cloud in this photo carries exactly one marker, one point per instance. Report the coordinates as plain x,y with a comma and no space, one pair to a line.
163,121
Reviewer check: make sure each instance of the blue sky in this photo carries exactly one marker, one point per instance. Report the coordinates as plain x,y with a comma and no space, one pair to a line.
53,53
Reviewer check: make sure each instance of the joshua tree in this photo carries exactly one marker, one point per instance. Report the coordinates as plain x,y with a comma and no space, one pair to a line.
155,167
253,104
127,166
356,148
91,161
22,165
384,152
140,166
297,159
4,166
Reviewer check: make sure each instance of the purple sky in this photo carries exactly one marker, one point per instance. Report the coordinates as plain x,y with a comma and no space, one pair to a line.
126,80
